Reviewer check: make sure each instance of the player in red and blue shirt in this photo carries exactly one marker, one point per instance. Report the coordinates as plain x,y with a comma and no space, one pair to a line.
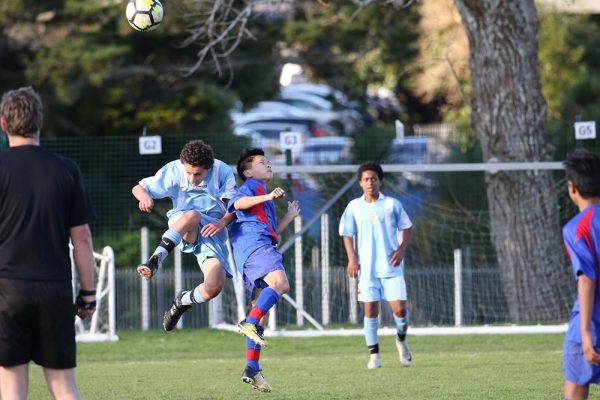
581,358
254,235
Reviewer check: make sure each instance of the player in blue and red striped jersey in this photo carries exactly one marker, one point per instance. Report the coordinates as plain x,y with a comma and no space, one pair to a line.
581,358
254,236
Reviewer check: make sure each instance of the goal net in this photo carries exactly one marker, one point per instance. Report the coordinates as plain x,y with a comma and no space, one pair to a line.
101,326
465,264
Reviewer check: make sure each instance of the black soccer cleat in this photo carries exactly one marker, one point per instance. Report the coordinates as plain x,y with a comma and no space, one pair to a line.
149,268
173,315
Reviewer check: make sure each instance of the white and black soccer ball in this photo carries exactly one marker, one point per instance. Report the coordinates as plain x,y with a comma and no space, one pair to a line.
144,15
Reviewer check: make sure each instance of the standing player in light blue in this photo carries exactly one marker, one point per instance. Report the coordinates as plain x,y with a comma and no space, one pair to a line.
255,235
581,356
199,187
376,220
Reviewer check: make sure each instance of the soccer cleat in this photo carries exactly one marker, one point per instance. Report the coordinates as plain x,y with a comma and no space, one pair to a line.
173,315
374,361
404,352
149,268
251,330
255,379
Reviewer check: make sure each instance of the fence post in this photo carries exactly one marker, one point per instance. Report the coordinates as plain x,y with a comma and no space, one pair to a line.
458,302
145,283
325,269
299,273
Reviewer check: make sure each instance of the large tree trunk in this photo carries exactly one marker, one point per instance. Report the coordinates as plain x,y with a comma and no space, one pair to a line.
509,115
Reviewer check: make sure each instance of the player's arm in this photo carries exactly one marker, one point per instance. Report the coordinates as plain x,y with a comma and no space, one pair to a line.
292,212
397,256
247,202
83,255
209,230
352,257
146,203
585,291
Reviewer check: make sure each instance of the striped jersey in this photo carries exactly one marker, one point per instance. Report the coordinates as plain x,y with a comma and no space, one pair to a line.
582,241
255,227
377,227
207,198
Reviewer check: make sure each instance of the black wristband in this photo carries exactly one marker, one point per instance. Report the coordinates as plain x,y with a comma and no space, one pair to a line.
87,292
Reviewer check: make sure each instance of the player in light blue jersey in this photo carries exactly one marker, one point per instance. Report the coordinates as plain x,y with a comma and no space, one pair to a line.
199,187
377,221
581,351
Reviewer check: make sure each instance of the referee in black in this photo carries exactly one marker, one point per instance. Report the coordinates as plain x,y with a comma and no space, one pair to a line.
43,203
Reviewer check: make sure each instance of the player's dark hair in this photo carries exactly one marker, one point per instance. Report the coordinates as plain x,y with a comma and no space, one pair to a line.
245,160
370,166
198,154
23,112
583,170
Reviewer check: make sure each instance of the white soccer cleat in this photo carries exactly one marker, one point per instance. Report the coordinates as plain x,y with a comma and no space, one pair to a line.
404,352
374,361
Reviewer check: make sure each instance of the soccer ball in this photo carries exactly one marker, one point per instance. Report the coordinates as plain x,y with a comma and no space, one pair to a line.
144,15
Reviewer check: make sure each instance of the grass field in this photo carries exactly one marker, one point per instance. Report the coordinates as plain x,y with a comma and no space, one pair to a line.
207,364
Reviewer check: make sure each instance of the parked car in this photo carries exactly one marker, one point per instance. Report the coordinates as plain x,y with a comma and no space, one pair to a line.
269,109
279,124
323,109
267,138
327,150
353,119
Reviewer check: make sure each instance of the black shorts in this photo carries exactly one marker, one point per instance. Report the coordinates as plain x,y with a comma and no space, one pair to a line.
37,323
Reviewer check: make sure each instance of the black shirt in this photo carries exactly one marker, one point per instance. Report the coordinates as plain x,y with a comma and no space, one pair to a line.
42,195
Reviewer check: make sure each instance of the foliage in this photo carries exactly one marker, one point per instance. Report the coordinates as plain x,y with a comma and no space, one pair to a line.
99,77
351,48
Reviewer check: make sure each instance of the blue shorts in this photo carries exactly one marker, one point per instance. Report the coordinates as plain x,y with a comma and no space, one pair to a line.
576,368
206,247
262,261
382,289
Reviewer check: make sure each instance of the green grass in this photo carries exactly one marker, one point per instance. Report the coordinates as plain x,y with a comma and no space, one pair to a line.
207,364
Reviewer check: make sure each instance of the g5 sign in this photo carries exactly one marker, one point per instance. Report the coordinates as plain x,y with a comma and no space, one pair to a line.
585,130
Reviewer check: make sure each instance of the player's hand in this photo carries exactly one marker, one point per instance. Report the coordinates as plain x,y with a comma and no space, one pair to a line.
352,269
85,306
396,257
209,230
146,204
293,208
590,354
277,193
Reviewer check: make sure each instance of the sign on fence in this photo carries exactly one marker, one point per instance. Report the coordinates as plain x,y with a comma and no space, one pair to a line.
585,130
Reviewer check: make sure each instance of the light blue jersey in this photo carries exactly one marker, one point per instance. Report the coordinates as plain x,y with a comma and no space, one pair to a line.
208,198
377,226
171,181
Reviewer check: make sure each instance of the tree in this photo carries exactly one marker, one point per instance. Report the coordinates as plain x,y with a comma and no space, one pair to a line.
509,116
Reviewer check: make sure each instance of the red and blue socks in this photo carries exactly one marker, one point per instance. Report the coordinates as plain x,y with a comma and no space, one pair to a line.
267,299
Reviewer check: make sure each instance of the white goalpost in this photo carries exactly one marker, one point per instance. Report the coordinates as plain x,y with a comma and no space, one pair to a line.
101,326
452,291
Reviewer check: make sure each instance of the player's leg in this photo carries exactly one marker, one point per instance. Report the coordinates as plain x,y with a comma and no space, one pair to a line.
263,268
369,293
61,383
181,227
214,280
14,382
574,391
394,290
370,326
252,373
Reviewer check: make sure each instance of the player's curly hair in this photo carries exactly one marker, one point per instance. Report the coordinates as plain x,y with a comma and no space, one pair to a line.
245,160
370,166
198,154
22,110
